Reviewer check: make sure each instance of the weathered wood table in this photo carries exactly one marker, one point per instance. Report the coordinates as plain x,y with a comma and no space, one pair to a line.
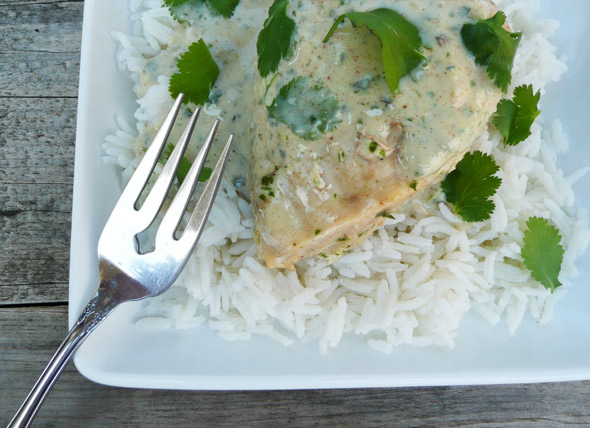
39,63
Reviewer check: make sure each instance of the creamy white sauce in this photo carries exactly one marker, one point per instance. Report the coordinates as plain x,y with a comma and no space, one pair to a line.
436,114
232,43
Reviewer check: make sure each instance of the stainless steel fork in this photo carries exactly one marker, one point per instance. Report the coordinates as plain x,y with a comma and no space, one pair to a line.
125,273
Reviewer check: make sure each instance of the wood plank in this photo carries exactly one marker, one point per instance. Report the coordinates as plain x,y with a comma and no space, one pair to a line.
37,140
43,27
30,2
38,74
34,258
30,293
35,236
36,175
16,198
40,48
28,337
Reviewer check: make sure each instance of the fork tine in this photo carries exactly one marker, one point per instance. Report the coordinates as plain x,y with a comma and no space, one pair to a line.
178,206
145,168
155,199
195,226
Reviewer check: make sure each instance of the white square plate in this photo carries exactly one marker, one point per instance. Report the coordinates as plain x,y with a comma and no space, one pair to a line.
121,354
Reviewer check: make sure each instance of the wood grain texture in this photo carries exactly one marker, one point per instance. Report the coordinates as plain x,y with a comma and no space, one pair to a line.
36,176
28,336
35,236
32,2
40,48
37,140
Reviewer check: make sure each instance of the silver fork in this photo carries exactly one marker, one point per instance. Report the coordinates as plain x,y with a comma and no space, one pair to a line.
125,274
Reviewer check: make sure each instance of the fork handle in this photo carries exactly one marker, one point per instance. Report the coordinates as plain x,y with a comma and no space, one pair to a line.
96,311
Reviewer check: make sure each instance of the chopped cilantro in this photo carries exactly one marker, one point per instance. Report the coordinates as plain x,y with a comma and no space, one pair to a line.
414,185
493,47
185,166
266,186
274,40
318,231
267,180
197,72
205,174
224,8
309,110
542,252
470,186
372,146
400,41
514,118
341,155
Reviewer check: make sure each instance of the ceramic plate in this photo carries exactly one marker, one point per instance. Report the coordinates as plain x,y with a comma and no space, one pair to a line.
121,354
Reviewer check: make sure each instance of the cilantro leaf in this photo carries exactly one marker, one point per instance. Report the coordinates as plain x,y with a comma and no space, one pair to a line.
274,40
542,252
224,8
493,47
470,186
308,109
205,174
400,41
513,119
197,72
185,166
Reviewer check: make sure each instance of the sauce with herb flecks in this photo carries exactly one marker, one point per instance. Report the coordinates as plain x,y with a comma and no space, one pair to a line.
340,148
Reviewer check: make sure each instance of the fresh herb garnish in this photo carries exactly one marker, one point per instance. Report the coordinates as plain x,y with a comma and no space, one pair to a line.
267,180
514,118
185,166
400,41
493,47
274,40
542,252
224,8
197,72
470,186
266,186
205,174
309,110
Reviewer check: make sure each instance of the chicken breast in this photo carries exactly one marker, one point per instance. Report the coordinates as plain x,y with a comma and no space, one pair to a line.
337,148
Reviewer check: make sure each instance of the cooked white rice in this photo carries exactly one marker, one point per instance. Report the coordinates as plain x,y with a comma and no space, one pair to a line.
414,280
